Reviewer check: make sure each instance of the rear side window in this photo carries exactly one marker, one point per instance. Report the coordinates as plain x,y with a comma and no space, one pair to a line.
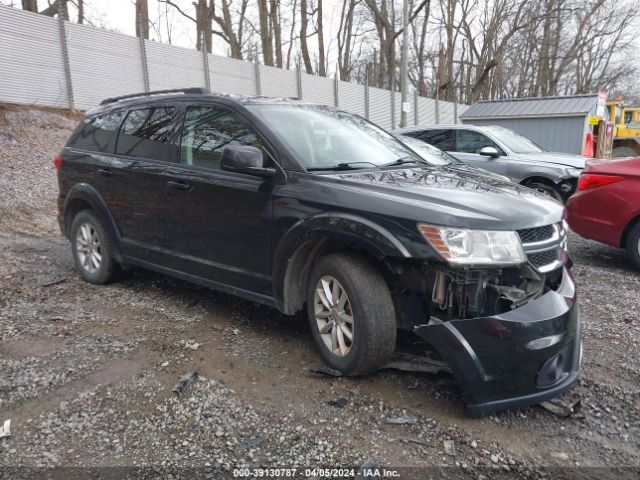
442,139
97,133
207,130
146,133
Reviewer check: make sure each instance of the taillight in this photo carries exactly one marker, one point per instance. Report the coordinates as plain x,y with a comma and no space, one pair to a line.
57,162
590,180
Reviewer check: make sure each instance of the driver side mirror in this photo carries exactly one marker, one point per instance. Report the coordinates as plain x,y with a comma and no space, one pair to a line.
489,152
245,159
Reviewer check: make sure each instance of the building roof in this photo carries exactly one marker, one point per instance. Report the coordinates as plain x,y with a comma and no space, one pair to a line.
569,106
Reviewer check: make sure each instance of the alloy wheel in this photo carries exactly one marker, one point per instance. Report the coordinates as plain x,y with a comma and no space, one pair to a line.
89,248
333,315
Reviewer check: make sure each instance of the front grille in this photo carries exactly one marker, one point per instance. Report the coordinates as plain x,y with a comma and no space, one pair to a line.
531,235
544,246
543,258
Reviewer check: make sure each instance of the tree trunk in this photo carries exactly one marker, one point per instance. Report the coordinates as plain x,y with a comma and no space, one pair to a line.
274,15
142,19
322,68
30,5
265,33
80,12
304,49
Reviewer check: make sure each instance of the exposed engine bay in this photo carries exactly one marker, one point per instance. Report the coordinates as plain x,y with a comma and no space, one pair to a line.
443,293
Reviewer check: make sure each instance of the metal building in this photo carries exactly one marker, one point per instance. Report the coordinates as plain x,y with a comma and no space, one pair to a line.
557,124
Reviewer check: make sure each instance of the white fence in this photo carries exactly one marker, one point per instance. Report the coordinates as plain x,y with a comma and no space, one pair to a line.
50,62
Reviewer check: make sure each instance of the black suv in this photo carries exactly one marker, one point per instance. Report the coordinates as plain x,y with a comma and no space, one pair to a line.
291,205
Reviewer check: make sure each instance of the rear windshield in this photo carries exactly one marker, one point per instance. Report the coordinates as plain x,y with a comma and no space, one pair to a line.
97,133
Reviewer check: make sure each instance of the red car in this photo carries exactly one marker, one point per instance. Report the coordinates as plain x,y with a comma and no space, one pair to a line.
606,205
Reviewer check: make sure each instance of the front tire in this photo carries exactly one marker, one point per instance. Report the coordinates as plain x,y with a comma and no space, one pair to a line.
633,246
546,189
91,248
351,314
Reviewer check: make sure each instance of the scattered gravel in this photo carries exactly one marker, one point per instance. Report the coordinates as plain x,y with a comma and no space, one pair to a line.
87,372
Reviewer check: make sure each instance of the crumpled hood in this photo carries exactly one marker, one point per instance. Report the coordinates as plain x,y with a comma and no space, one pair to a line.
452,197
566,159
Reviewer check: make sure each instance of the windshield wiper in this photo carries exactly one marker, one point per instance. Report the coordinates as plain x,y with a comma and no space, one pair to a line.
405,160
341,166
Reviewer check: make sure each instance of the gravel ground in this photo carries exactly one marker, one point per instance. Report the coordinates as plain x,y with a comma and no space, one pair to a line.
87,372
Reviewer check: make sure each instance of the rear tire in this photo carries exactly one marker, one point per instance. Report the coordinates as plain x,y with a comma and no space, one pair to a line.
619,152
347,296
91,247
633,246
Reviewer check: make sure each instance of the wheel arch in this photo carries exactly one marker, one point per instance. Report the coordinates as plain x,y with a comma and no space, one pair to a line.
307,240
627,229
83,196
539,178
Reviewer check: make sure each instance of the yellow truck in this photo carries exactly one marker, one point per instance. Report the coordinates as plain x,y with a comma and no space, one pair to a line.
626,133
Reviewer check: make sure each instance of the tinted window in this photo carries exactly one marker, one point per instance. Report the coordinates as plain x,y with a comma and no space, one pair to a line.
146,132
469,141
97,133
207,130
443,139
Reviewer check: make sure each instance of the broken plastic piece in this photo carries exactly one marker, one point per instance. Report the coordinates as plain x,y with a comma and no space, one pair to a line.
56,281
184,382
449,447
330,372
254,441
5,431
338,402
561,408
407,419
415,363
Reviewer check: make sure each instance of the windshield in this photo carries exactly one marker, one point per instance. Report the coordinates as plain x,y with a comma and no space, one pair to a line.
322,138
513,141
431,154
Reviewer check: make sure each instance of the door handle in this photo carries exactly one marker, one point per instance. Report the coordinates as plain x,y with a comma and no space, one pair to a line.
105,172
179,185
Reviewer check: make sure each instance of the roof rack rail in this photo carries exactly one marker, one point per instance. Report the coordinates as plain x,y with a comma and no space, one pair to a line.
196,90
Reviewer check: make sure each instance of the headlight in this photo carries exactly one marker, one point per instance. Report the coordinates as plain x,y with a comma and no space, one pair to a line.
475,247
574,172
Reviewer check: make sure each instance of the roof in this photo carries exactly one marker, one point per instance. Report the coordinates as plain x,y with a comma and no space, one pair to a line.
442,126
568,106
191,94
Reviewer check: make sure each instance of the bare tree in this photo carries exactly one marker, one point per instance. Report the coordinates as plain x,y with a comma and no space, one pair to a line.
142,19
30,5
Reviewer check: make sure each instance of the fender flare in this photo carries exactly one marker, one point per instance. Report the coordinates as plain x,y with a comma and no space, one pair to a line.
87,194
372,237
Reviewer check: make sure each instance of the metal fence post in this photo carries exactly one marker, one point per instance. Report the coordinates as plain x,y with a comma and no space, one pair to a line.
205,63
366,93
336,91
416,115
257,72
65,57
143,59
298,82
393,107
437,109
455,110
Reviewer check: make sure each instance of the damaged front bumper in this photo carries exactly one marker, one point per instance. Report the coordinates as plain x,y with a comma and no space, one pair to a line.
513,359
